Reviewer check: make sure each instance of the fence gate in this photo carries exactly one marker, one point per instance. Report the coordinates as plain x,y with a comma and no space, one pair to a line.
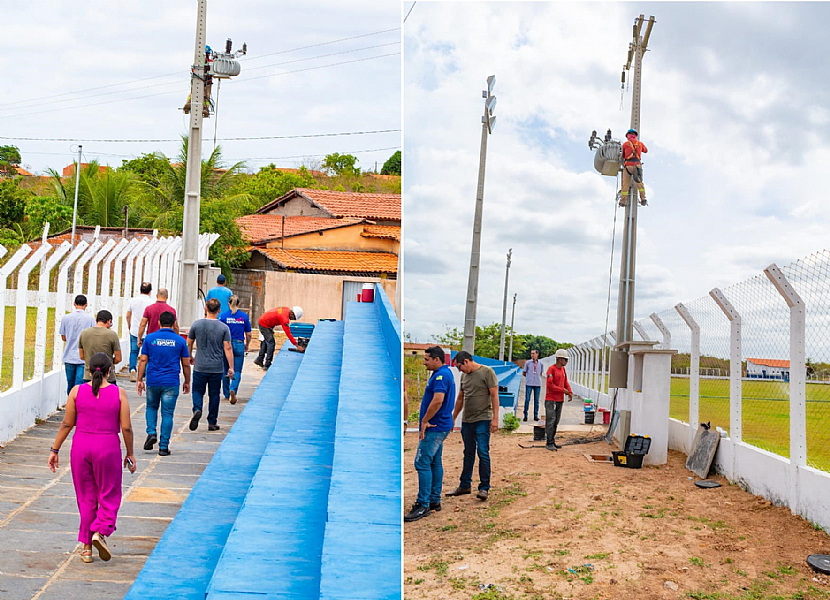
351,290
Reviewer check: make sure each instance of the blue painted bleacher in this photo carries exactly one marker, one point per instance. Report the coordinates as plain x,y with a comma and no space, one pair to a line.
183,562
508,374
276,543
362,548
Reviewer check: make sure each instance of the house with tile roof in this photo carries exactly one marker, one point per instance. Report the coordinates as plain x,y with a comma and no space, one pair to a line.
317,248
768,368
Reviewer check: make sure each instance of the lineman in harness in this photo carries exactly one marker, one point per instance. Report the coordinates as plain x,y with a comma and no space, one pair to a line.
632,150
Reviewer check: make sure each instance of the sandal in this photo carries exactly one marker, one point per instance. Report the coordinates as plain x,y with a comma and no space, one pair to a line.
100,543
86,555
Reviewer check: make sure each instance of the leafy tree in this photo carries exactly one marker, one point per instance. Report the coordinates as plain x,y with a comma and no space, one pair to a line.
12,202
101,195
149,167
488,339
43,209
271,183
392,166
9,160
545,345
341,164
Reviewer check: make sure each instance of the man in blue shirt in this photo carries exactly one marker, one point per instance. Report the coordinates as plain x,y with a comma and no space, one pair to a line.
221,293
163,356
240,326
435,424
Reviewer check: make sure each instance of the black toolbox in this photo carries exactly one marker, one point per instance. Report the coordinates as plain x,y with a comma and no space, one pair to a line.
636,447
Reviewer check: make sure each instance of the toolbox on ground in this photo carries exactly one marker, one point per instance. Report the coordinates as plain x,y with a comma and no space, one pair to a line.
636,447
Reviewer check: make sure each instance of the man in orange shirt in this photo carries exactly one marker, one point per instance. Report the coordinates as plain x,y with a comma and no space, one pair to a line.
555,389
632,150
276,316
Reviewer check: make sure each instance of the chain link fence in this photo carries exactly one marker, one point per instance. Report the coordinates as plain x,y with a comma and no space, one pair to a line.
765,359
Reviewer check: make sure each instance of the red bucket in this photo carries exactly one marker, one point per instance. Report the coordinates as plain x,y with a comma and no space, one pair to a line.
606,417
368,293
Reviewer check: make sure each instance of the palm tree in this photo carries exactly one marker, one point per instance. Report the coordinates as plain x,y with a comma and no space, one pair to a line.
102,195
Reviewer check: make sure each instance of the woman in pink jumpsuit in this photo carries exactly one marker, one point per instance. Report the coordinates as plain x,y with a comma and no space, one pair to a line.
98,410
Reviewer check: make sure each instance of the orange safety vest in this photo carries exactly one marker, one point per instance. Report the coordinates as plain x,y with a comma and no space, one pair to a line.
632,151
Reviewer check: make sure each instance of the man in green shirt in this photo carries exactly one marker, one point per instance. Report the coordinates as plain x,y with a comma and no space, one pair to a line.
100,338
479,400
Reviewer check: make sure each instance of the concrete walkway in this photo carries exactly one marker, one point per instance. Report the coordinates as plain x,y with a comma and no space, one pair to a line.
39,516
573,415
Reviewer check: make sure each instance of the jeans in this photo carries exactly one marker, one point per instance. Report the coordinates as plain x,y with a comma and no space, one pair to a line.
213,382
134,349
476,438
429,467
74,375
532,390
166,398
267,347
553,412
238,360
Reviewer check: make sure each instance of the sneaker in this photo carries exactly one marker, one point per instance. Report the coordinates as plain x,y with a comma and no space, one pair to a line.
419,511
557,446
258,362
551,448
194,420
164,452
525,419
133,375
459,491
482,494
213,427
100,544
435,506
643,202
233,397
265,367
150,442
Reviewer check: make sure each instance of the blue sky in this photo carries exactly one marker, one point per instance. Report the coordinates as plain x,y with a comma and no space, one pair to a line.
733,113
51,47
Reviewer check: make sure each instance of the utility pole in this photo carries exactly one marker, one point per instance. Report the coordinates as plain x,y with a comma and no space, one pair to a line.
488,121
512,319
77,181
504,305
188,297
618,375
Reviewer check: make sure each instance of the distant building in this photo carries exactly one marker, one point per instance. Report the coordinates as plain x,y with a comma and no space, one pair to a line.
768,368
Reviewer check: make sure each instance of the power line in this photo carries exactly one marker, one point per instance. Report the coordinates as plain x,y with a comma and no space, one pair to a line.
272,137
101,87
410,11
314,155
182,92
179,83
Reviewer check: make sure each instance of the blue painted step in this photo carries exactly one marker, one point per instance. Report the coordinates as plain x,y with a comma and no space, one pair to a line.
274,549
362,548
183,562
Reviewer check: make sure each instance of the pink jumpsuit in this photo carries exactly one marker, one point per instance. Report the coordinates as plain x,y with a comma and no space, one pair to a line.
96,460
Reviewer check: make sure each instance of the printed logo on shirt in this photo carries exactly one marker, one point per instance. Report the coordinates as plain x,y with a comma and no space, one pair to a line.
163,342
439,378
235,321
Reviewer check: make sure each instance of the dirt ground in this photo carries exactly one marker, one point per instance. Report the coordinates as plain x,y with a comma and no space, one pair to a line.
557,526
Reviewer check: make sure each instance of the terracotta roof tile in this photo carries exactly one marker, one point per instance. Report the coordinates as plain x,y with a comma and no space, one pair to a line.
22,171
258,229
770,362
333,260
382,231
386,207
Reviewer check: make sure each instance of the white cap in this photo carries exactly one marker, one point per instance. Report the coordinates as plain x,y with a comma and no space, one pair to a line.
562,353
298,312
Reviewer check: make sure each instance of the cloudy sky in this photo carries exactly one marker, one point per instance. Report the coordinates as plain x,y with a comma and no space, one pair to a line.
733,113
51,48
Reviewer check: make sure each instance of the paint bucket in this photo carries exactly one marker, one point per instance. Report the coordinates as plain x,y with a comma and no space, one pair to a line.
589,418
368,293
606,417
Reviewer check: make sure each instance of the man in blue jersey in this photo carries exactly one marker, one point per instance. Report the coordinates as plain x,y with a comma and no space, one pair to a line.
163,356
435,424
221,292
240,326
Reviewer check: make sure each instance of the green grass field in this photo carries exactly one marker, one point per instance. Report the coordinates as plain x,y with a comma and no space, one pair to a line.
29,349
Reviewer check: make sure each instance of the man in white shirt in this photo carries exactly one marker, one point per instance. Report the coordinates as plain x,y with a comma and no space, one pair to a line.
134,314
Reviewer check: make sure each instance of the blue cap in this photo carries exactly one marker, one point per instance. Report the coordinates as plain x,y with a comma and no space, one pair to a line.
220,279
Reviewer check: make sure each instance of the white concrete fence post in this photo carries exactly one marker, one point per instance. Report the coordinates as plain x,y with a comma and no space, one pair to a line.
43,307
92,275
61,301
21,310
106,277
641,330
694,371
663,330
798,379
129,270
116,299
78,282
735,372
7,270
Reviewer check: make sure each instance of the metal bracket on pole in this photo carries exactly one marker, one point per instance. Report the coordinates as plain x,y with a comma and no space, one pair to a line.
663,330
641,330
735,366
798,378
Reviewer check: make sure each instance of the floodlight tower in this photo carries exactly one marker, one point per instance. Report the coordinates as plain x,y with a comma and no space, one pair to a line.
488,121
607,161
219,65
